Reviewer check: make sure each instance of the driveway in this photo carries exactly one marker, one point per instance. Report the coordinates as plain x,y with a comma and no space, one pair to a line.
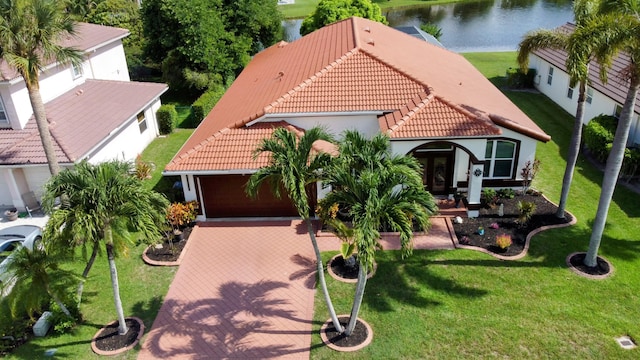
246,290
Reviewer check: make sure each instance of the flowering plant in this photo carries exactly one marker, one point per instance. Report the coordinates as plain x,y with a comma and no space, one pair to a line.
494,226
503,241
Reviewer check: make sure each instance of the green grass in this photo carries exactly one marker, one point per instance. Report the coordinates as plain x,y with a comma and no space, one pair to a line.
302,8
142,289
465,304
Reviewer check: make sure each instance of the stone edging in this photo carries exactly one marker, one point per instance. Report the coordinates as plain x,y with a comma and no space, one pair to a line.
330,345
589,276
146,259
117,351
527,242
352,281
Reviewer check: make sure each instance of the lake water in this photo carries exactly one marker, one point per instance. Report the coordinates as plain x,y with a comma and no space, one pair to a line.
486,25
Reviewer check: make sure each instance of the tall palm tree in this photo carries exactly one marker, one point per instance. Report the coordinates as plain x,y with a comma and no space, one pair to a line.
378,189
105,203
30,31
293,165
583,10
617,29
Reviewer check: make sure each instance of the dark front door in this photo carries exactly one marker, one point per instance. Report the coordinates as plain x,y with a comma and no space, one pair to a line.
438,171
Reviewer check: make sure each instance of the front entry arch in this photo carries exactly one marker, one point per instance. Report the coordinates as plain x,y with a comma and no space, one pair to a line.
438,171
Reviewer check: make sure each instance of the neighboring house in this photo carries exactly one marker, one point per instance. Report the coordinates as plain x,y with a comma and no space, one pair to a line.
358,74
553,81
95,113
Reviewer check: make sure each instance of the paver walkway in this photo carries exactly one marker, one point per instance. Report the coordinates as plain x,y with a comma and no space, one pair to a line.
246,290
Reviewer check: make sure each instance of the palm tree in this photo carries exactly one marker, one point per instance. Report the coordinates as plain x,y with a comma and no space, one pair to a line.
293,165
616,29
583,10
378,189
105,203
30,31
34,275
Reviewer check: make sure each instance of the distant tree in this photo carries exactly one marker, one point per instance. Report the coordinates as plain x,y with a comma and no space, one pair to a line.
432,29
79,9
330,11
211,38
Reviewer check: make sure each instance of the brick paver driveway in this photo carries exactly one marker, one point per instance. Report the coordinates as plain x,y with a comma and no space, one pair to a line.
244,290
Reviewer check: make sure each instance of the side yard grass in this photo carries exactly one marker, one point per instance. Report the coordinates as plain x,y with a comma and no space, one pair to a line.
465,304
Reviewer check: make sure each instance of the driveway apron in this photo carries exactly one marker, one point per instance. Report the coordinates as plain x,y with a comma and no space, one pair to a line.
244,290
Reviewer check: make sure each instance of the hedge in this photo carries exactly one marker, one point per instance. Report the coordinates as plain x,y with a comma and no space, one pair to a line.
598,138
206,102
518,80
167,117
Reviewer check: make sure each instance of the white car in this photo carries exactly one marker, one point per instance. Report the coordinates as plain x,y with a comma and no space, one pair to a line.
14,237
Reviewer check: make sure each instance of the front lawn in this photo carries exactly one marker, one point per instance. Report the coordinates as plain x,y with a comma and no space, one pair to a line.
302,8
465,304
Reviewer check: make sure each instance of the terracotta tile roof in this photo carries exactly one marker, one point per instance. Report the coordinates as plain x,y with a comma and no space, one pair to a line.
616,88
88,37
433,117
351,66
232,148
79,120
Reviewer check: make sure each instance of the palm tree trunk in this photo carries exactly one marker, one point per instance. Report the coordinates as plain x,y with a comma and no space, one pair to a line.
357,300
40,115
60,304
611,172
122,325
85,273
321,279
574,150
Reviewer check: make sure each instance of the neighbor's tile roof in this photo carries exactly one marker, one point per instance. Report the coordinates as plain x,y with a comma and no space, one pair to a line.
616,88
79,120
88,37
354,65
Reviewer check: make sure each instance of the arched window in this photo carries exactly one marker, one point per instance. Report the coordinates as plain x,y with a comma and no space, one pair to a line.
499,159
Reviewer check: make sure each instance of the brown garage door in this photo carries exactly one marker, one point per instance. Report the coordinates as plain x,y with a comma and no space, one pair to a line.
224,196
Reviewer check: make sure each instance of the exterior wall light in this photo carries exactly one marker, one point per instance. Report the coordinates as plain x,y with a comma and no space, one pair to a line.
477,172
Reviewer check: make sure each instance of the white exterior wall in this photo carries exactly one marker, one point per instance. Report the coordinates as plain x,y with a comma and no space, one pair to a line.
366,124
5,195
128,142
107,63
557,92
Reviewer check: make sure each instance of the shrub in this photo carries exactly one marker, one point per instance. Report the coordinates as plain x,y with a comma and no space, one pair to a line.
599,133
203,105
503,241
144,168
489,197
526,210
506,193
180,214
167,117
529,172
519,80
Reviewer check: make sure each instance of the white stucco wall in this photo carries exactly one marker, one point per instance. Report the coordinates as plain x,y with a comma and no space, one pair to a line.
557,92
366,124
127,142
5,195
107,63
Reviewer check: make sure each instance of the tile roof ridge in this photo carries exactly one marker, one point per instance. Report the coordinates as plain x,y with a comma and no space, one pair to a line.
500,120
424,97
310,80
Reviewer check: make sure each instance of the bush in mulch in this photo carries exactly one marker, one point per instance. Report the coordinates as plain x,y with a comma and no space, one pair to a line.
169,250
545,214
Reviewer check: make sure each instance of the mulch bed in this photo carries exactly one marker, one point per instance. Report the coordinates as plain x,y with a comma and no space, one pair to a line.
544,215
109,340
358,336
169,251
339,268
602,266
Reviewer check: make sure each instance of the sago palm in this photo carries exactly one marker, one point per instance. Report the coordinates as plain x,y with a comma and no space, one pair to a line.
378,189
30,36
104,203
578,71
293,165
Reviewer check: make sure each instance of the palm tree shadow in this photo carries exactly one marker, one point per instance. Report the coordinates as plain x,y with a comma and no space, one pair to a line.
308,270
222,327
